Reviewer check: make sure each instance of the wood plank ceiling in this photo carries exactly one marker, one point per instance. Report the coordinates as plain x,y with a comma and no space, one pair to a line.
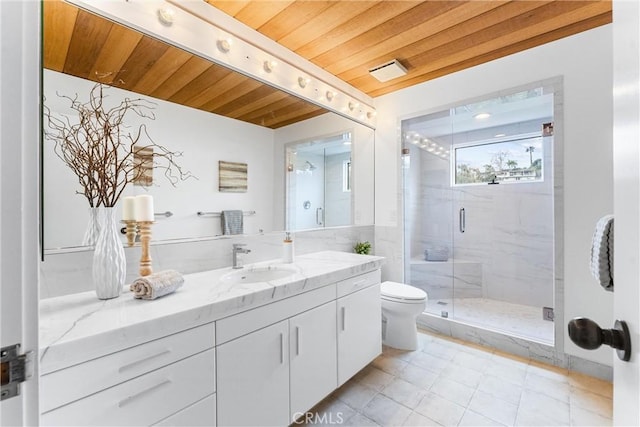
346,38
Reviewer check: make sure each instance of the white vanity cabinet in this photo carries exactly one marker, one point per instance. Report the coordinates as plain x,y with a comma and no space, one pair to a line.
359,323
266,375
270,374
253,378
255,354
312,357
141,385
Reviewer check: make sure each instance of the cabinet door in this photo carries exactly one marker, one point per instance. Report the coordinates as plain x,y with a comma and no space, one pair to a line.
253,378
359,331
313,358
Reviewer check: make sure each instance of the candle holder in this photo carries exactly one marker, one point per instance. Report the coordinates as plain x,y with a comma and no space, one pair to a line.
144,229
130,231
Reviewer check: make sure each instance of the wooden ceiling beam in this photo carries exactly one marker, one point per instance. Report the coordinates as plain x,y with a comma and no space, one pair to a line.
58,25
315,28
370,19
587,24
187,72
282,23
162,70
89,35
432,34
119,46
393,27
531,24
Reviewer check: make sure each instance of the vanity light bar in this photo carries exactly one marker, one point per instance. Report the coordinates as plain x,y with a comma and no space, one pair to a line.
205,31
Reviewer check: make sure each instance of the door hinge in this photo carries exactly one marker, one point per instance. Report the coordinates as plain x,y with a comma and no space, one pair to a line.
16,368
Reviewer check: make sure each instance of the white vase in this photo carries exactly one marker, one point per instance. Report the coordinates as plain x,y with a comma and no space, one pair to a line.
93,228
109,263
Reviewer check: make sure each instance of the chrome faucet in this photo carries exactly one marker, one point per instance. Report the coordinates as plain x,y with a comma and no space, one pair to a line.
238,249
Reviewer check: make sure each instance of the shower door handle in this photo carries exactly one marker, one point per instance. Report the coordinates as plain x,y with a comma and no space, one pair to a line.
319,216
463,220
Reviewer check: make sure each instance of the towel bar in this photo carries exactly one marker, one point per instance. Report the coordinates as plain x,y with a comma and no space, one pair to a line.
245,213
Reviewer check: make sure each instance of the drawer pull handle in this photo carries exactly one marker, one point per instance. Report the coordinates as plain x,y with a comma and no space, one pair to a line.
146,359
359,282
281,348
131,398
344,318
297,341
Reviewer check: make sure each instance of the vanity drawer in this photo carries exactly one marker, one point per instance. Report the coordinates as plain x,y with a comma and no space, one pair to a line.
145,400
352,284
241,324
202,413
73,383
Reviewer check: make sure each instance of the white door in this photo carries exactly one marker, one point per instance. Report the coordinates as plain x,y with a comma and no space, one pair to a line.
253,378
626,145
19,207
313,358
359,331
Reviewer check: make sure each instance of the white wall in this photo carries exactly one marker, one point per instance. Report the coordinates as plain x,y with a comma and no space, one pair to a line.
204,138
585,63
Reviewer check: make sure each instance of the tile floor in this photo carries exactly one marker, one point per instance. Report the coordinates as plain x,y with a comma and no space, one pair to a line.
452,383
514,319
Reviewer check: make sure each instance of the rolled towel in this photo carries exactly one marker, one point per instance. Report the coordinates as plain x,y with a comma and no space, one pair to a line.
602,253
157,284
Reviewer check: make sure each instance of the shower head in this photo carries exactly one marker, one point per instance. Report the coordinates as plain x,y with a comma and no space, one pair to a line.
310,166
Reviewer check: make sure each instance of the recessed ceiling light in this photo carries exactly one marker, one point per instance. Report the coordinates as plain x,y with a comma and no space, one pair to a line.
481,116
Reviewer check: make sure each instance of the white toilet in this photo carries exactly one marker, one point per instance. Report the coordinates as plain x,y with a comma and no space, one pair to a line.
401,305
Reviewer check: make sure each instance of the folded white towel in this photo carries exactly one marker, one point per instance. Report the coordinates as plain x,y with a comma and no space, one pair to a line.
602,253
157,284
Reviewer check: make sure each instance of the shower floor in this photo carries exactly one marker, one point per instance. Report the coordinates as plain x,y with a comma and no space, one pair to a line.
513,319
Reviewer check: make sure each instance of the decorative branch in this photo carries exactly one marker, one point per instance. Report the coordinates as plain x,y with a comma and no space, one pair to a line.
100,149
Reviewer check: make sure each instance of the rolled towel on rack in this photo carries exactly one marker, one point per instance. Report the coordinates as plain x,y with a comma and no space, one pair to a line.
157,284
602,253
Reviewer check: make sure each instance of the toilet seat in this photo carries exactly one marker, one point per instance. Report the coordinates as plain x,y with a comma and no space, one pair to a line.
393,291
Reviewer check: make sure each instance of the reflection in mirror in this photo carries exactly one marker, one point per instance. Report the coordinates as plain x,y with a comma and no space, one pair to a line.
319,182
205,111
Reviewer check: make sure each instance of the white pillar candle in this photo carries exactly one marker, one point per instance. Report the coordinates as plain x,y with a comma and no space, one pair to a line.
129,208
144,208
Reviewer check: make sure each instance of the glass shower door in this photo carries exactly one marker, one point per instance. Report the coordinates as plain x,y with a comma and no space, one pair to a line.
428,210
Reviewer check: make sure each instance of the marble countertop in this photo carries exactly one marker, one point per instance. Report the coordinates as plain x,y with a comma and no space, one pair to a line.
79,327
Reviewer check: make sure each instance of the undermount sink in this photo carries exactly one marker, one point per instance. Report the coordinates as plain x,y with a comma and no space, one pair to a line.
258,274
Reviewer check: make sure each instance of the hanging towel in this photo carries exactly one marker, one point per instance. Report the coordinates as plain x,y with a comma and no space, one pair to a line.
157,284
232,222
602,253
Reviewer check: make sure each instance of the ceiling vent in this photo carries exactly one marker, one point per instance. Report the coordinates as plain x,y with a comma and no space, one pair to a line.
388,71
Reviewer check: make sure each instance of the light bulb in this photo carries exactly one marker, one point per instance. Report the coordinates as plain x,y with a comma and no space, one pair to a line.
224,45
165,16
269,66
302,82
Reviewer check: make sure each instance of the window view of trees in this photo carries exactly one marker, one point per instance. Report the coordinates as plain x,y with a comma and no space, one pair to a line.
506,161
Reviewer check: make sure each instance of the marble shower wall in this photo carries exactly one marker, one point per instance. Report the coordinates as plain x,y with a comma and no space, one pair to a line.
507,249
68,272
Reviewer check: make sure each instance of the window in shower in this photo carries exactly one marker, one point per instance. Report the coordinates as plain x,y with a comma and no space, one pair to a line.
516,160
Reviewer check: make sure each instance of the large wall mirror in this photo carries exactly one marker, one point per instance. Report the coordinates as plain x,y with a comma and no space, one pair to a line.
208,113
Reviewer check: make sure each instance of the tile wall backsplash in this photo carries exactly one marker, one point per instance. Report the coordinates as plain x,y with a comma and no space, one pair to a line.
68,272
